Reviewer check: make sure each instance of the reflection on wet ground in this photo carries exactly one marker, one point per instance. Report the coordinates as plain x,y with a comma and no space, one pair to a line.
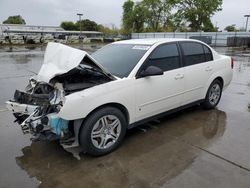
191,148
149,156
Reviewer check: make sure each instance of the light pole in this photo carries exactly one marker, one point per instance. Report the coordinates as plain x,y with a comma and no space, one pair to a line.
80,22
247,16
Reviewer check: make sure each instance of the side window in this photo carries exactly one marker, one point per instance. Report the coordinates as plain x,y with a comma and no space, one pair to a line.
165,57
208,53
193,53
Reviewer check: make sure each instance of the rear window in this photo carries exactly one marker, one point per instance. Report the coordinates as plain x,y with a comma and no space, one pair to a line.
166,57
193,53
208,53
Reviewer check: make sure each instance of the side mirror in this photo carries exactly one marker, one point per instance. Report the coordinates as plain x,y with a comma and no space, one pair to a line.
151,71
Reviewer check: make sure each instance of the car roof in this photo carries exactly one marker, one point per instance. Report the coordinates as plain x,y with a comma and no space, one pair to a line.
152,41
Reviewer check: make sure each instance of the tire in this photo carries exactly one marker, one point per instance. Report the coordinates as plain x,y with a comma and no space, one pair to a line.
213,95
103,131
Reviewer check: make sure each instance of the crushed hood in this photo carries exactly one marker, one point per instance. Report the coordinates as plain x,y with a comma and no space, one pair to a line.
60,59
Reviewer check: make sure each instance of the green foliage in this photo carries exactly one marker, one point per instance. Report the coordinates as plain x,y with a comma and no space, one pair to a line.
157,13
108,31
128,16
209,27
230,28
174,24
148,15
14,20
169,15
198,12
69,26
87,25
139,17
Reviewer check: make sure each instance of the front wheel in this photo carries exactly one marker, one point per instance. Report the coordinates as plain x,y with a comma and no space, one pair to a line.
213,95
103,131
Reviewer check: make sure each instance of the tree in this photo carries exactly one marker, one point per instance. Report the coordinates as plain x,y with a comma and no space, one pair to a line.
113,31
198,12
14,20
128,16
208,26
139,18
157,13
169,15
68,26
87,25
231,28
175,23
152,14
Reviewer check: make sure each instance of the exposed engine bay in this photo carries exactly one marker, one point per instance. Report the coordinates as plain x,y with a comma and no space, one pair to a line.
36,108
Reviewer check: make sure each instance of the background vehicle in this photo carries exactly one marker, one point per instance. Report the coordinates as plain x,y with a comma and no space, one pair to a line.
92,100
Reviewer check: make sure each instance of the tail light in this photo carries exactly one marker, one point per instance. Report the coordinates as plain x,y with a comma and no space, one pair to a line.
232,63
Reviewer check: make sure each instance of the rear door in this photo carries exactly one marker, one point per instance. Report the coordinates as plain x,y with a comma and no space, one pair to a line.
198,62
157,94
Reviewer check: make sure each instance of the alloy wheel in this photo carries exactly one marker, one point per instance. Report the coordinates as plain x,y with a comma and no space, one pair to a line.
214,94
106,131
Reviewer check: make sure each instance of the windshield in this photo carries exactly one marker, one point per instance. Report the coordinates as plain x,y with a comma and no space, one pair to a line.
120,59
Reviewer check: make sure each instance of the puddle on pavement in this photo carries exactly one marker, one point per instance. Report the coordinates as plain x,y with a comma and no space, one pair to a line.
145,159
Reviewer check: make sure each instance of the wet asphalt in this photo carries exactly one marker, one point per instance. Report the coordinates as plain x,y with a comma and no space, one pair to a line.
191,148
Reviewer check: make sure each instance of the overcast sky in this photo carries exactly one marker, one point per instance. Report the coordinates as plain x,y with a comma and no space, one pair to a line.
52,12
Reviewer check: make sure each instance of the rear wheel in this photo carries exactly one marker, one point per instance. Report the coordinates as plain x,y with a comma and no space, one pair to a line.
103,131
213,95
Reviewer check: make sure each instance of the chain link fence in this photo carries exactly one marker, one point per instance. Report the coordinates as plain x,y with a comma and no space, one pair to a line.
211,38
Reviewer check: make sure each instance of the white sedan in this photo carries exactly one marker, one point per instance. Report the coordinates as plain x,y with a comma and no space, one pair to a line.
89,101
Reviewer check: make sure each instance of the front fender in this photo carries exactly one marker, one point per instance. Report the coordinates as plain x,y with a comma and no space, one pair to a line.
78,105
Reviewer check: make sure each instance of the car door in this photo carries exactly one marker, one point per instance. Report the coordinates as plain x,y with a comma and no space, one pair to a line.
157,94
198,62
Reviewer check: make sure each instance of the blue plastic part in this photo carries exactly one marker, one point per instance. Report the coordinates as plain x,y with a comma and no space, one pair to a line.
58,125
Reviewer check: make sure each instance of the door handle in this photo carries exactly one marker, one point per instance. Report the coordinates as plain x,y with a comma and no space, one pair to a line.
179,76
208,68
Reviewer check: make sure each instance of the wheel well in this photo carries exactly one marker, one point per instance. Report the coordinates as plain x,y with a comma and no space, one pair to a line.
115,105
122,108
221,80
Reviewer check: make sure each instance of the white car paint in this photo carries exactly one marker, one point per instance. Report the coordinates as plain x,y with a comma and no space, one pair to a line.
157,94
139,97
146,97
60,59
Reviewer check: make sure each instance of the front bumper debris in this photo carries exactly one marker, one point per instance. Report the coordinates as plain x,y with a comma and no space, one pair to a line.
21,108
33,120
47,127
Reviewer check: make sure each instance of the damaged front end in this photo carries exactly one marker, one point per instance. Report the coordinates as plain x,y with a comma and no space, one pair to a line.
65,71
36,110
